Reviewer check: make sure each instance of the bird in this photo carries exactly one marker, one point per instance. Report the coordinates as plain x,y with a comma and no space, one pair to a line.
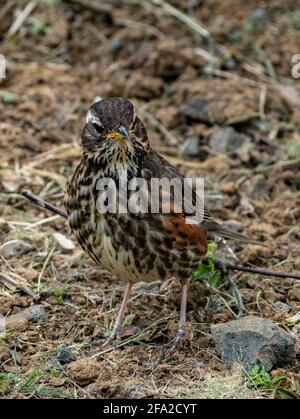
135,246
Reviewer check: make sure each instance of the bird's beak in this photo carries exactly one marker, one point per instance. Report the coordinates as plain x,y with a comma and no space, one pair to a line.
120,134
123,131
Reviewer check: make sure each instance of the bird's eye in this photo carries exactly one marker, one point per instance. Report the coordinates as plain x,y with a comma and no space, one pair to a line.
99,128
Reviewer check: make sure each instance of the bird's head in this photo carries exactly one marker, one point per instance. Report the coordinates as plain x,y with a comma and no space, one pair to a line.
113,130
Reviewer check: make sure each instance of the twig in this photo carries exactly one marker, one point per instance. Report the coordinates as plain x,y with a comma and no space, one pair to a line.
132,338
43,204
94,6
22,17
44,268
232,76
188,20
6,278
266,272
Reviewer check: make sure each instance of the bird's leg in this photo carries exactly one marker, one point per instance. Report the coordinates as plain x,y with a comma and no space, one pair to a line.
116,332
221,267
178,339
182,321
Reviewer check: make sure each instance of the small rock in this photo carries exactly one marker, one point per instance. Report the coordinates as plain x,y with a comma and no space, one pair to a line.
190,147
259,15
63,241
197,109
279,306
198,364
15,248
215,303
254,340
57,381
255,187
64,354
263,125
229,141
36,313
139,391
84,371
116,44
20,320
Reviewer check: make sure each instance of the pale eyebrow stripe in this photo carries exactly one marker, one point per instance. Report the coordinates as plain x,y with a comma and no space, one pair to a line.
90,117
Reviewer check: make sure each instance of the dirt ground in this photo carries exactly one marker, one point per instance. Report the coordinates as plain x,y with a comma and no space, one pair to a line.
199,70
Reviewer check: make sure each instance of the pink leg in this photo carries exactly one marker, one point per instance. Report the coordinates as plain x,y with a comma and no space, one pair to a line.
119,320
181,329
175,343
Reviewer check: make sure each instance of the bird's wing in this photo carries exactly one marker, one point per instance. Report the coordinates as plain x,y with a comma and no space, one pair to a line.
155,166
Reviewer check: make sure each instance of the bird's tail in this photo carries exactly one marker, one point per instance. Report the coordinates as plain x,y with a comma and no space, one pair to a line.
226,233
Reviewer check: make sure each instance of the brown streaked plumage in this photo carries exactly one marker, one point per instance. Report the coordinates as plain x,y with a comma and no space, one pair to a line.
135,247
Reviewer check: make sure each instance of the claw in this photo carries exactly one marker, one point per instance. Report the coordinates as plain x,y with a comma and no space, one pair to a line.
114,337
168,350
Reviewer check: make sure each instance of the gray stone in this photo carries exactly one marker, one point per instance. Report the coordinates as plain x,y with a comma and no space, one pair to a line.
64,354
228,140
36,313
197,109
279,306
215,303
190,147
253,340
259,15
15,248
258,186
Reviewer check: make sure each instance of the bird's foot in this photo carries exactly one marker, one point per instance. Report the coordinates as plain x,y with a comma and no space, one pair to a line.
168,350
113,338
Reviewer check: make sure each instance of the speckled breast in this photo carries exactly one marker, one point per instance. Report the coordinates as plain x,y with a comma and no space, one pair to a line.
132,246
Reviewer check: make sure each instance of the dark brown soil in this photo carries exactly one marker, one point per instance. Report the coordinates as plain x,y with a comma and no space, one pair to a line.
183,85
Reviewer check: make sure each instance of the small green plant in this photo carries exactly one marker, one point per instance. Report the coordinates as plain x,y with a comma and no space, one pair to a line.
59,296
39,27
248,27
32,384
259,378
208,269
9,98
294,20
4,335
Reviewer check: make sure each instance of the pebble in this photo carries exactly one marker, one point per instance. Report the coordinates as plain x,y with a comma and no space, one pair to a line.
15,248
190,147
64,354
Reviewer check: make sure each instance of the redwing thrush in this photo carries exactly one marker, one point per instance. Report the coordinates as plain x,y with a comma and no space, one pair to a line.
134,246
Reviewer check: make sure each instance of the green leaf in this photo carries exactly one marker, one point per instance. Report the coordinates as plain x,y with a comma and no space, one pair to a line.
255,370
39,27
214,279
201,271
